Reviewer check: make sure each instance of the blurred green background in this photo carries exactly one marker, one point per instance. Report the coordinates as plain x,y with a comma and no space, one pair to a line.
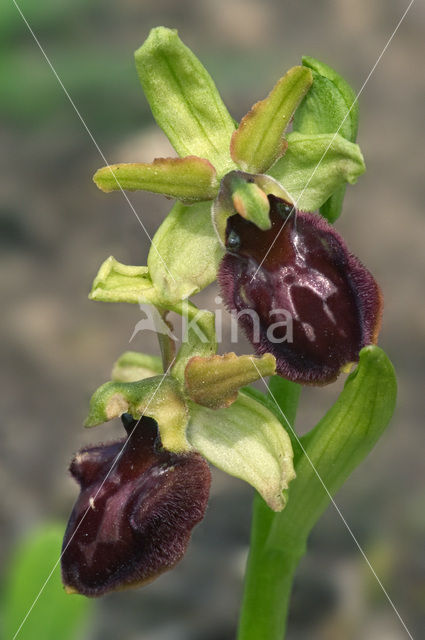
56,229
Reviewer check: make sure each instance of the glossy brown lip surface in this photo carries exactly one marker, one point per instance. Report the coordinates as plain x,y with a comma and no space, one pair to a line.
332,301
128,529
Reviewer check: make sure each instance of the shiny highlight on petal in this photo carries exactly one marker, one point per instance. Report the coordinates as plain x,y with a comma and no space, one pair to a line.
311,303
131,523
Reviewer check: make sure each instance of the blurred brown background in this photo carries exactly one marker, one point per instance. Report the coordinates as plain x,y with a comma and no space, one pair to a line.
56,229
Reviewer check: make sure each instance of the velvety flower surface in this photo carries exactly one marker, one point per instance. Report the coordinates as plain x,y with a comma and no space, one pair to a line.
308,301
134,522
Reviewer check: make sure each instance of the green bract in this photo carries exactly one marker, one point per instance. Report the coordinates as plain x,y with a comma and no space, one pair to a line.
246,441
186,242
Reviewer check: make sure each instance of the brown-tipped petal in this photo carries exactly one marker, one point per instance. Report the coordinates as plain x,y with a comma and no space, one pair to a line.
299,293
131,521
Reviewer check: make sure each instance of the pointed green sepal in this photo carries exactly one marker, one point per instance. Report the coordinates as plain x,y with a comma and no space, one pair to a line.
132,366
185,252
188,179
246,194
158,398
329,107
184,99
117,282
247,441
214,381
199,338
315,165
258,141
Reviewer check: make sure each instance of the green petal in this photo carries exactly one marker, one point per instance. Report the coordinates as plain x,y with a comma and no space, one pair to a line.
246,441
132,366
184,99
117,282
258,141
188,179
315,166
186,253
158,397
214,381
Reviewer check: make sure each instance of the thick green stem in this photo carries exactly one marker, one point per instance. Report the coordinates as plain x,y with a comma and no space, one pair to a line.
270,568
324,459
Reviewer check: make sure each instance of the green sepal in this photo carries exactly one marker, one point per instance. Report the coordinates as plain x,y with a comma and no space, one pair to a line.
329,107
258,141
315,165
345,91
159,398
188,179
132,366
338,444
184,99
236,195
199,338
247,441
185,252
117,282
331,209
214,381
323,110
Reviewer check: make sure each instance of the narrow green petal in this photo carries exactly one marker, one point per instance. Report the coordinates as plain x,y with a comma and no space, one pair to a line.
132,366
315,166
184,99
214,381
186,252
258,141
246,441
188,179
117,282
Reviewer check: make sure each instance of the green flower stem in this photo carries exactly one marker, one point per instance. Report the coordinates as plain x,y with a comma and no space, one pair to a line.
325,458
166,343
270,569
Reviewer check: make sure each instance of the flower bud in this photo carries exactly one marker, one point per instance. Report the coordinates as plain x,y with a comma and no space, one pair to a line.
299,293
134,515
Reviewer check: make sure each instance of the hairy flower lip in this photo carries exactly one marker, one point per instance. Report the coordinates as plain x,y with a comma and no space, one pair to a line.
334,302
134,515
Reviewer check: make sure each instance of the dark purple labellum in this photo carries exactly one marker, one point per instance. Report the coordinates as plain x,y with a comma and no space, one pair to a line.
308,300
134,522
